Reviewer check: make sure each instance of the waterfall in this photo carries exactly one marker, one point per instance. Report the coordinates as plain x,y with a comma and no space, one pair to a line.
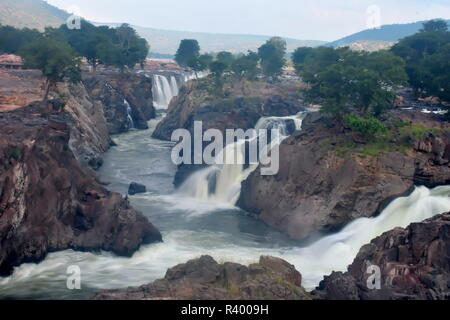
164,89
222,183
337,251
174,86
129,117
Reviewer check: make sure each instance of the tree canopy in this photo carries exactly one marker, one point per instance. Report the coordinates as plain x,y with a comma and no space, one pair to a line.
272,55
426,55
344,81
188,50
56,59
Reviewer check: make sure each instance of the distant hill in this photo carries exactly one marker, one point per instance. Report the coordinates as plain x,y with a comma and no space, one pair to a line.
35,14
39,14
387,34
166,42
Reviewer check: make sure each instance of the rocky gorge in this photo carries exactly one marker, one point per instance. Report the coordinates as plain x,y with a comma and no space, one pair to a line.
331,188
414,264
49,198
327,180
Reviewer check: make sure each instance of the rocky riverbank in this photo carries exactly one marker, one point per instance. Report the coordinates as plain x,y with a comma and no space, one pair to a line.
328,177
49,202
205,279
239,111
414,264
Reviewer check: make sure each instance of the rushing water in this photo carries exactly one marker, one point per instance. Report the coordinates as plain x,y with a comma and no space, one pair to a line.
164,89
192,227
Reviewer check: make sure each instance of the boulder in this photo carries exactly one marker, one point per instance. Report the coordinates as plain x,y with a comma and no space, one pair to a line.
320,188
414,264
205,279
136,188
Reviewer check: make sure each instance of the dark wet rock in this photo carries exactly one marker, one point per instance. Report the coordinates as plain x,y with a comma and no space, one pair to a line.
49,202
414,264
205,279
136,188
193,104
114,91
321,189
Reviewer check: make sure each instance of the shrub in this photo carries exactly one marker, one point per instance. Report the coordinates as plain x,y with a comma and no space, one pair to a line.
370,128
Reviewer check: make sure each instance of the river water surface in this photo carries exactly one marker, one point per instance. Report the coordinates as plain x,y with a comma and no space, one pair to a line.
192,227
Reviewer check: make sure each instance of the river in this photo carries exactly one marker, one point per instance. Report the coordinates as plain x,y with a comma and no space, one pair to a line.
193,226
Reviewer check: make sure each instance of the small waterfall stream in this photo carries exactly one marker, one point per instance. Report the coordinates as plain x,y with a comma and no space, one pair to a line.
164,89
222,183
129,115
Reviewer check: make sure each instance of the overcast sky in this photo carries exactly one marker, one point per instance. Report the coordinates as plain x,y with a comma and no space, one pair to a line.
302,19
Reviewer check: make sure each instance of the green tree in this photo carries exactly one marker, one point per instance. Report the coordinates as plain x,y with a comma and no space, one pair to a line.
11,39
435,26
132,49
225,57
299,56
187,50
344,81
434,72
218,69
56,59
272,55
370,128
245,66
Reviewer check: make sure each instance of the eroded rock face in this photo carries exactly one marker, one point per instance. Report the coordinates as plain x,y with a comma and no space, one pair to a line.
49,202
205,279
414,263
89,135
193,104
320,190
116,93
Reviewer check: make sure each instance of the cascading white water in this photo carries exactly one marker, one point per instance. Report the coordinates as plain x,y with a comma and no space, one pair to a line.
174,86
191,228
222,183
129,116
164,89
337,251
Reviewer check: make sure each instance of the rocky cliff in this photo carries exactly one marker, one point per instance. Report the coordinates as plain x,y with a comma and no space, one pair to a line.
117,93
49,202
414,264
195,103
205,279
329,178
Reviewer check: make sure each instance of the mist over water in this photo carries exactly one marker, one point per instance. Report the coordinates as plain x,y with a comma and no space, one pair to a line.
193,226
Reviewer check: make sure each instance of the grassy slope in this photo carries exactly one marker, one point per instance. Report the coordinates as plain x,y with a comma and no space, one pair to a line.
30,13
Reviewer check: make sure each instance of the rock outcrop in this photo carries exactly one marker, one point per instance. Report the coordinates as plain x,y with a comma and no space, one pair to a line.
323,185
49,202
117,93
237,112
136,188
205,279
414,264
89,135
